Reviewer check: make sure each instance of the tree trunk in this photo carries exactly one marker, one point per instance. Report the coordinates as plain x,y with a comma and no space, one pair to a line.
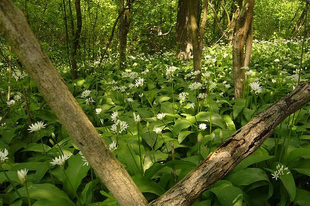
242,44
197,31
17,32
123,31
183,30
76,39
301,21
240,145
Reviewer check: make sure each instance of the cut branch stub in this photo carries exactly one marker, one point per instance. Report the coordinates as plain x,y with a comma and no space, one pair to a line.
240,145
17,32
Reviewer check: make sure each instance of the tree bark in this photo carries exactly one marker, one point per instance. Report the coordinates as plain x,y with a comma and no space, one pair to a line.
242,44
240,145
183,30
14,27
123,30
301,21
197,30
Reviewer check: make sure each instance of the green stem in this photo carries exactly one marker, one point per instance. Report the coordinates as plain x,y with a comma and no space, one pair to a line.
132,155
78,199
6,175
47,164
28,196
140,154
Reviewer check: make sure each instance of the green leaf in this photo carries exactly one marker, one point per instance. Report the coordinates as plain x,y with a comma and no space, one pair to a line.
247,176
301,166
248,113
180,125
298,153
302,198
48,192
252,159
289,184
162,99
238,107
148,186
34,147
76,172
216,118
226,193
229,122
182,135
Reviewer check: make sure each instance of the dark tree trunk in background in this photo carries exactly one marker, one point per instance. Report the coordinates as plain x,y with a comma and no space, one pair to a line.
301,21
183,30
76,39
124,23
242,44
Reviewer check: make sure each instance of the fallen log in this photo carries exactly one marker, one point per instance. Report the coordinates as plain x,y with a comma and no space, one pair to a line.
240,145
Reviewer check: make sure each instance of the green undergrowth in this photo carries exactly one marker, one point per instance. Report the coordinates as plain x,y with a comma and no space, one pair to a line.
160,124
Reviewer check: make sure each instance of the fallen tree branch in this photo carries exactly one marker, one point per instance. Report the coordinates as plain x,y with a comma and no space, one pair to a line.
240,145
15,29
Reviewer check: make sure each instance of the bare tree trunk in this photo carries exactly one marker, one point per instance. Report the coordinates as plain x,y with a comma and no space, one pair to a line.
66,30
198,34
14,27
301,21
183,30
10,76
240,145
242,44
123,31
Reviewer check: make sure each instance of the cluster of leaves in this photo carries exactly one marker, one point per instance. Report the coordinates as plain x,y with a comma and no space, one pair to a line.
160,124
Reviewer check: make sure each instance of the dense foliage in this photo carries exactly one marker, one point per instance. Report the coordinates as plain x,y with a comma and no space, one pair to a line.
156,119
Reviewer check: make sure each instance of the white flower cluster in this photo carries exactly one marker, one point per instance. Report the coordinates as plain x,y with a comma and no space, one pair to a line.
113,146
158,130
3,155
89,100
61,160
19,75
36,126
182,96
161,116
22,175
202,126
17,97
136,117
281,170
85,93
118,126
130,75
202,95
195,86
10,103
139,82
170,71
206,74
255,86
86,163
192,75
98,111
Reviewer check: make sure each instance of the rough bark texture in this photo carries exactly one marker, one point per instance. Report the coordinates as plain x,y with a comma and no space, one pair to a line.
242,44
123,31
240,145
183,31
17,32
197,30
76,39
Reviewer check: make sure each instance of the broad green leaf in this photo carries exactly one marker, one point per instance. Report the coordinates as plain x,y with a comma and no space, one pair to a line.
298,153
148,186
289,184
238,107
226,193
37,147
206,117
248,113
229,122
247,176
76,172
252,159
301,166
302,197
162,99
183,134
180,125
87,193
48,192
